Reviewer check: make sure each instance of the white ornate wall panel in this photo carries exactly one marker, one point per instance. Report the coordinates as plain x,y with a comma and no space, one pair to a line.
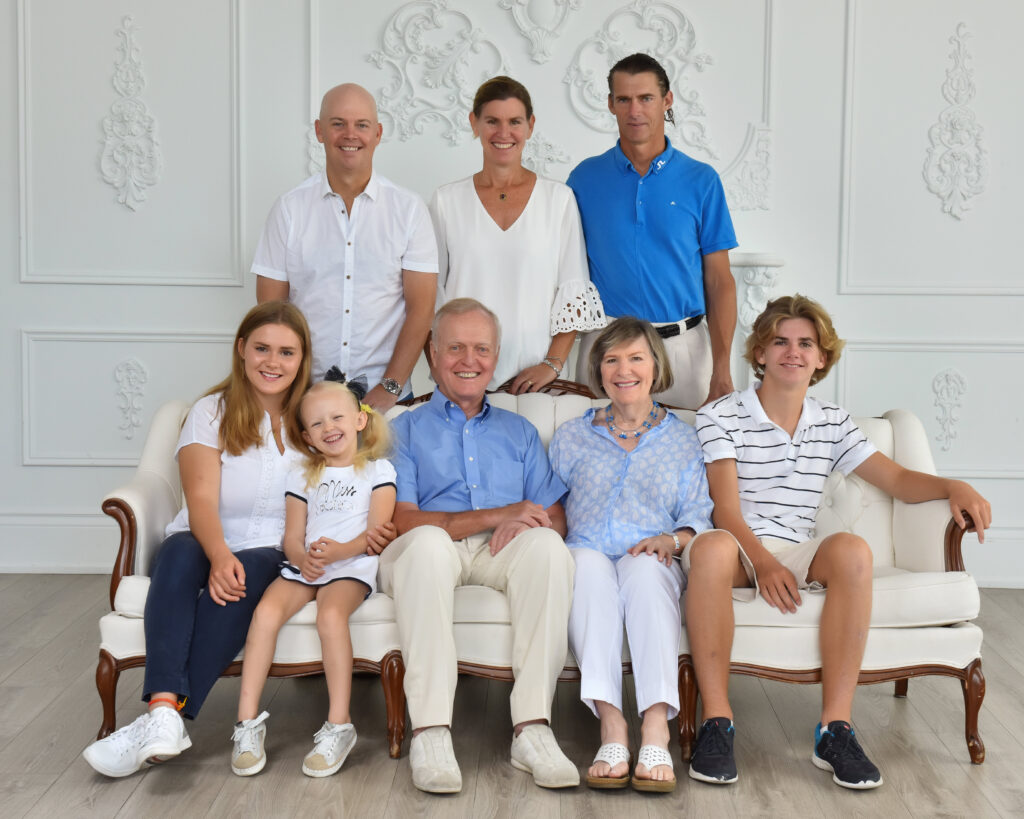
896,237
122,378
130,162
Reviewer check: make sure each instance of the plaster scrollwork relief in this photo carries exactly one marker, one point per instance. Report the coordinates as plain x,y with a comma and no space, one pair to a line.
316,160
131,377
540,34
131,159
539,153
436,58
674,46
949,387
759,287
747,181
956,164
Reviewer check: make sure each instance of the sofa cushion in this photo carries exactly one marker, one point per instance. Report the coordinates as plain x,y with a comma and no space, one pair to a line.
900,600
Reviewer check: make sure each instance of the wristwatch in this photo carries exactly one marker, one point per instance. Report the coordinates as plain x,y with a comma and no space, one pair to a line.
391,386
675,539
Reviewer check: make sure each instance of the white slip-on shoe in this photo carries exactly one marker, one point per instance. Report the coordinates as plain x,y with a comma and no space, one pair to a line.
165,736
434,767
333,742
536,751
249,755
119,754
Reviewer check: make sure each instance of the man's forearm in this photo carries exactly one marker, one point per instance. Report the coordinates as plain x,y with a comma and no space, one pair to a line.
720,297
458,525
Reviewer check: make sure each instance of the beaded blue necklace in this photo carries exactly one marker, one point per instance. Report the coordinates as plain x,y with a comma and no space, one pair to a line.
609,419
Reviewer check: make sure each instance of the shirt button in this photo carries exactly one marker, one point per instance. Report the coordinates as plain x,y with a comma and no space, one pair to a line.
348,277
346,310
350,244
344,344
471,457
474,486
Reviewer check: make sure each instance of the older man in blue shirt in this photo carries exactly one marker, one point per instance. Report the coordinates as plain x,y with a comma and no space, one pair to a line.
478,503
658,235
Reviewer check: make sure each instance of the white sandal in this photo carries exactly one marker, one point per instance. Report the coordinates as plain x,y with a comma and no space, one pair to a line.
650,757
611,753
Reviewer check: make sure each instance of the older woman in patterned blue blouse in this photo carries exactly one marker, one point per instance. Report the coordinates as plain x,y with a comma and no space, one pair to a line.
637,495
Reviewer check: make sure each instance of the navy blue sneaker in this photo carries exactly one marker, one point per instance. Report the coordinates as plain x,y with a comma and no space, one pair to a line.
836,749
712,757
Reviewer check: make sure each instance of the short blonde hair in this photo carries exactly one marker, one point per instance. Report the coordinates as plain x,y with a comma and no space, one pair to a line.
620,331
766,328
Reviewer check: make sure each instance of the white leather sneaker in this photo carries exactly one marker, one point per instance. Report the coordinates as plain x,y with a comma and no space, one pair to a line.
434,767
249,756
536,751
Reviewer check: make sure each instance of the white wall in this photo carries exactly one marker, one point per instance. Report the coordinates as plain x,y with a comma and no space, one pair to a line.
818,115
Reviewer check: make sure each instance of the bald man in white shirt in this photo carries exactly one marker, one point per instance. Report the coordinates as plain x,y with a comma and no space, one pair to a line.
356,253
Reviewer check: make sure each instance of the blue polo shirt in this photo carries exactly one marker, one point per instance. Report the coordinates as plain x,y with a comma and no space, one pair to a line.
446,463
647,236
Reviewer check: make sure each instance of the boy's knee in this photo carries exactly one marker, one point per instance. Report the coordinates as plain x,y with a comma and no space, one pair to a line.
714,550
849,554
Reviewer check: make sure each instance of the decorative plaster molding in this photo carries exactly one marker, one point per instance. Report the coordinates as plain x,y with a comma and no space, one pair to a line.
949,387
232,274
131,376
316,159
956,164
748,183
434,77
760,287
674,47
539,153
540,36
131,159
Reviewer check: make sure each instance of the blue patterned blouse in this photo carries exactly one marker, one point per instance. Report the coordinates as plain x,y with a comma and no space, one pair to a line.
617,498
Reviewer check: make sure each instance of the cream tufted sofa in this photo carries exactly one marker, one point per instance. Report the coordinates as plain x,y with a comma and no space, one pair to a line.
924,602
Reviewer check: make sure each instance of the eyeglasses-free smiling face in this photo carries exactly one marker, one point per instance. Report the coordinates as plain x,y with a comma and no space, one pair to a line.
465,353
272,355
503,128
793,356
331,423
349,129
639,107
627,372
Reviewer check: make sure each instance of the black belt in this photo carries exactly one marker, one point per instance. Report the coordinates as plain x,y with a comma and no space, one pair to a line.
670,330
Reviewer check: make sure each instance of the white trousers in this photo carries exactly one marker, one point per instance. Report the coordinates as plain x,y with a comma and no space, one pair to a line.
689,356
421,569
641,594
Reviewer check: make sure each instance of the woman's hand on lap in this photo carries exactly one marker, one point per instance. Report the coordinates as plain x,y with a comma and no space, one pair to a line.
227,580
661,546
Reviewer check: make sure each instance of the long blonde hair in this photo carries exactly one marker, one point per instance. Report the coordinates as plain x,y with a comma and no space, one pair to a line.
374,438
240,412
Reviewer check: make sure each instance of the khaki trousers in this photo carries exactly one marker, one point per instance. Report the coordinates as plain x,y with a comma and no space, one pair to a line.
421,569
689,356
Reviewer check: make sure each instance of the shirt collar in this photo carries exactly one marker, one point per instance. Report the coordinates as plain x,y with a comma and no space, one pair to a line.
658,164
451,411
372,188
810,414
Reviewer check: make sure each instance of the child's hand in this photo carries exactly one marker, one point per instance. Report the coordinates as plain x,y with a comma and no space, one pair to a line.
327,550
661,546
311,564
378,538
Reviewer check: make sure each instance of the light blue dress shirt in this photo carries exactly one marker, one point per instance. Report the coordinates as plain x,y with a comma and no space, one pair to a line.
446,463
617,498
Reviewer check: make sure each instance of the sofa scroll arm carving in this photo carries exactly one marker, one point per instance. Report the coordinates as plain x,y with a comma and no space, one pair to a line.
125,561
953,540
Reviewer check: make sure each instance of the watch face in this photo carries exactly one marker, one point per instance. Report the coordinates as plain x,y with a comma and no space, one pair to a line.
391,386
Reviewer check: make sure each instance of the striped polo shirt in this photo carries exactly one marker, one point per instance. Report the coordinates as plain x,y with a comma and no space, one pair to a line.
781,478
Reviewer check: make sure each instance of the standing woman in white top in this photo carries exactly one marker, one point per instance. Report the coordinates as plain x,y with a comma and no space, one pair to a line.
224,547
512,240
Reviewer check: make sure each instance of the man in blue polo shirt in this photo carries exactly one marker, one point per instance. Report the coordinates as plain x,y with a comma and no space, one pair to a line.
478,504
658,235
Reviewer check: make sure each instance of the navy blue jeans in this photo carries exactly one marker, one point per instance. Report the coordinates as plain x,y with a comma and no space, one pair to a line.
190,639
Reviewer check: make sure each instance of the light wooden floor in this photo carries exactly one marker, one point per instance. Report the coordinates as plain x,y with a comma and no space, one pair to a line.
49,712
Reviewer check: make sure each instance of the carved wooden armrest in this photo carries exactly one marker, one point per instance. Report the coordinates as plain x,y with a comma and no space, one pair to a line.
954,539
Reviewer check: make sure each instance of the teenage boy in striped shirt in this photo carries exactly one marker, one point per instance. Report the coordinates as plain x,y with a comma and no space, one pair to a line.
768,451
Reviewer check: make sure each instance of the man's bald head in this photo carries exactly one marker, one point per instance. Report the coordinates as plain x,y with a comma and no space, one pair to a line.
346,94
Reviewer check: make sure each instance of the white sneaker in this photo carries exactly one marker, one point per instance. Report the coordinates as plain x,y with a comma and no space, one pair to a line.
434,767
333,742
536,751
165,735
121,753
248,756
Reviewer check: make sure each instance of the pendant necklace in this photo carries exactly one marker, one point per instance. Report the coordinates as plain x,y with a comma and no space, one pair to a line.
646,425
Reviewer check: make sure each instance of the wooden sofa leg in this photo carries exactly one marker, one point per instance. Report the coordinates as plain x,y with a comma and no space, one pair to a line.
392,678
687,708
106,684
973,685
901,687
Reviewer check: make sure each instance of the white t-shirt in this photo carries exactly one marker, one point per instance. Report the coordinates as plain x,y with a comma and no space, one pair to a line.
781,478
344,271
251,505
338,508
533,275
